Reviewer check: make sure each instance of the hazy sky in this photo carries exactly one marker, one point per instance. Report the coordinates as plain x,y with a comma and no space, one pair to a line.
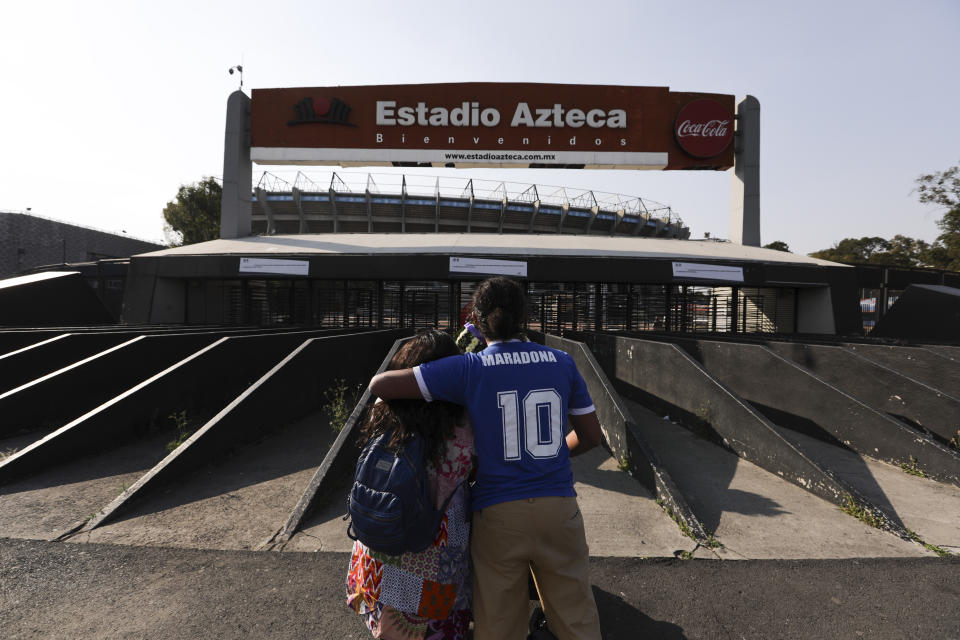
107,107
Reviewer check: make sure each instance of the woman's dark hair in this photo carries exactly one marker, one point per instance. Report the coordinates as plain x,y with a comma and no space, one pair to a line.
434,421
501,307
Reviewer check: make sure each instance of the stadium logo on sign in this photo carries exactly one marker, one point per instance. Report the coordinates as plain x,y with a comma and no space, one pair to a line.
321,111
704,128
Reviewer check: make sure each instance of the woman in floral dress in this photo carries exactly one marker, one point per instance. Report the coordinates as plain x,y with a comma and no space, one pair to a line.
425,594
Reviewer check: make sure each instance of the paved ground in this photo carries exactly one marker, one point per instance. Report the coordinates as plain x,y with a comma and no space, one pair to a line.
620,517
56,590
185,568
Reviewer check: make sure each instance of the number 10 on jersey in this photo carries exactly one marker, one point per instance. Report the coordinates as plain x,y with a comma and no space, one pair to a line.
541,423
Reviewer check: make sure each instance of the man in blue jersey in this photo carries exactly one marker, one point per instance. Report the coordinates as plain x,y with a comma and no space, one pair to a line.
520,396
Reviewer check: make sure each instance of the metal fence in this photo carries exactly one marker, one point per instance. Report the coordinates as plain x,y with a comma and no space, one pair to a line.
554,307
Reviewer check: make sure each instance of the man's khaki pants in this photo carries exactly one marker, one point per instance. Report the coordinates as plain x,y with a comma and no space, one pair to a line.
542,534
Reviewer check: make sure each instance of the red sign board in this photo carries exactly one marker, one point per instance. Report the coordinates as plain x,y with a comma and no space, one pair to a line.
486,125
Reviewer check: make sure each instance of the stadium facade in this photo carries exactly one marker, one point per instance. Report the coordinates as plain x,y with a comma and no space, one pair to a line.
323,253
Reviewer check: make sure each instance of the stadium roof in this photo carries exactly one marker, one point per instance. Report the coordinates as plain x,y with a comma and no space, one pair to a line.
466,244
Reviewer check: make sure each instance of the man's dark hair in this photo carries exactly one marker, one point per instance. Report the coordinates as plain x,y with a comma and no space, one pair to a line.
501,307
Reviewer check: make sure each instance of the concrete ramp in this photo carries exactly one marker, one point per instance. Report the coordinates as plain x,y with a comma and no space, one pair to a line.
23,365
199,385
620,516
14,339
755,514
293,388
237,502
46,504
794,397
878,386
928,508
921,364
62,395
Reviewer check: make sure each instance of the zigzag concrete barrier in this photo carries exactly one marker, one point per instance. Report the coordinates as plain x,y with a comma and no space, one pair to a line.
340,459
622,436
26,364
14,339
878,386
665,378
949,350
293,388
796,398
200,384
85,384
923,365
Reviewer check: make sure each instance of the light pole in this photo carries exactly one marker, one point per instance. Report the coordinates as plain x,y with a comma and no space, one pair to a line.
239,69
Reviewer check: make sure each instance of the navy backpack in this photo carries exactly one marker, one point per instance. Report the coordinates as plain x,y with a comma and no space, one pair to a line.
390,508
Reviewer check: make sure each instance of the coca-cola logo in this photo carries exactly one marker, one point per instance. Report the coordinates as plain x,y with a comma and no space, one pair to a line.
704,128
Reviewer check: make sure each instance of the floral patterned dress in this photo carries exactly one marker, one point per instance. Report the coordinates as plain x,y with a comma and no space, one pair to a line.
426,594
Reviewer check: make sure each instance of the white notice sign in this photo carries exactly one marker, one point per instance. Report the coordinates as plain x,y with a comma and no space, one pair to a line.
707,271
275,265
489,266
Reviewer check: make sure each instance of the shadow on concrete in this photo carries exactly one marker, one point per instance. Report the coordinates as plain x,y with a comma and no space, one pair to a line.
280,452
800,424
787,422
620,620
746,503
594,476
127,457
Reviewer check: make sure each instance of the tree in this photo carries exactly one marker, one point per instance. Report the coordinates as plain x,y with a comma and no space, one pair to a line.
904,252
778,245
942,188
900,251
194,216
853,249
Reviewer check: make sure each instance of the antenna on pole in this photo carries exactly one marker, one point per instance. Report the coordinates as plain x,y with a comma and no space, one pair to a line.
239,69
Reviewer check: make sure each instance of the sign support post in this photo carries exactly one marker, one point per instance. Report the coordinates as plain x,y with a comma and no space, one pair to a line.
745,179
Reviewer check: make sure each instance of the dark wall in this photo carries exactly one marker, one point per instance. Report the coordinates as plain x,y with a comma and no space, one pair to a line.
59,301
793,397
877,386
922,312
201,385
28,241
48,356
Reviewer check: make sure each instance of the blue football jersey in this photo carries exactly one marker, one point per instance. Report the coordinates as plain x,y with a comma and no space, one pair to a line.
518,395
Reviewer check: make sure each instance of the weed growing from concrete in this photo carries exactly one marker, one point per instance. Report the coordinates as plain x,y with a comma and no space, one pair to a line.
712,543
684,527
686,555
861,512
955,442
182,425
625,463
703,412
339,401
940,551
912,468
